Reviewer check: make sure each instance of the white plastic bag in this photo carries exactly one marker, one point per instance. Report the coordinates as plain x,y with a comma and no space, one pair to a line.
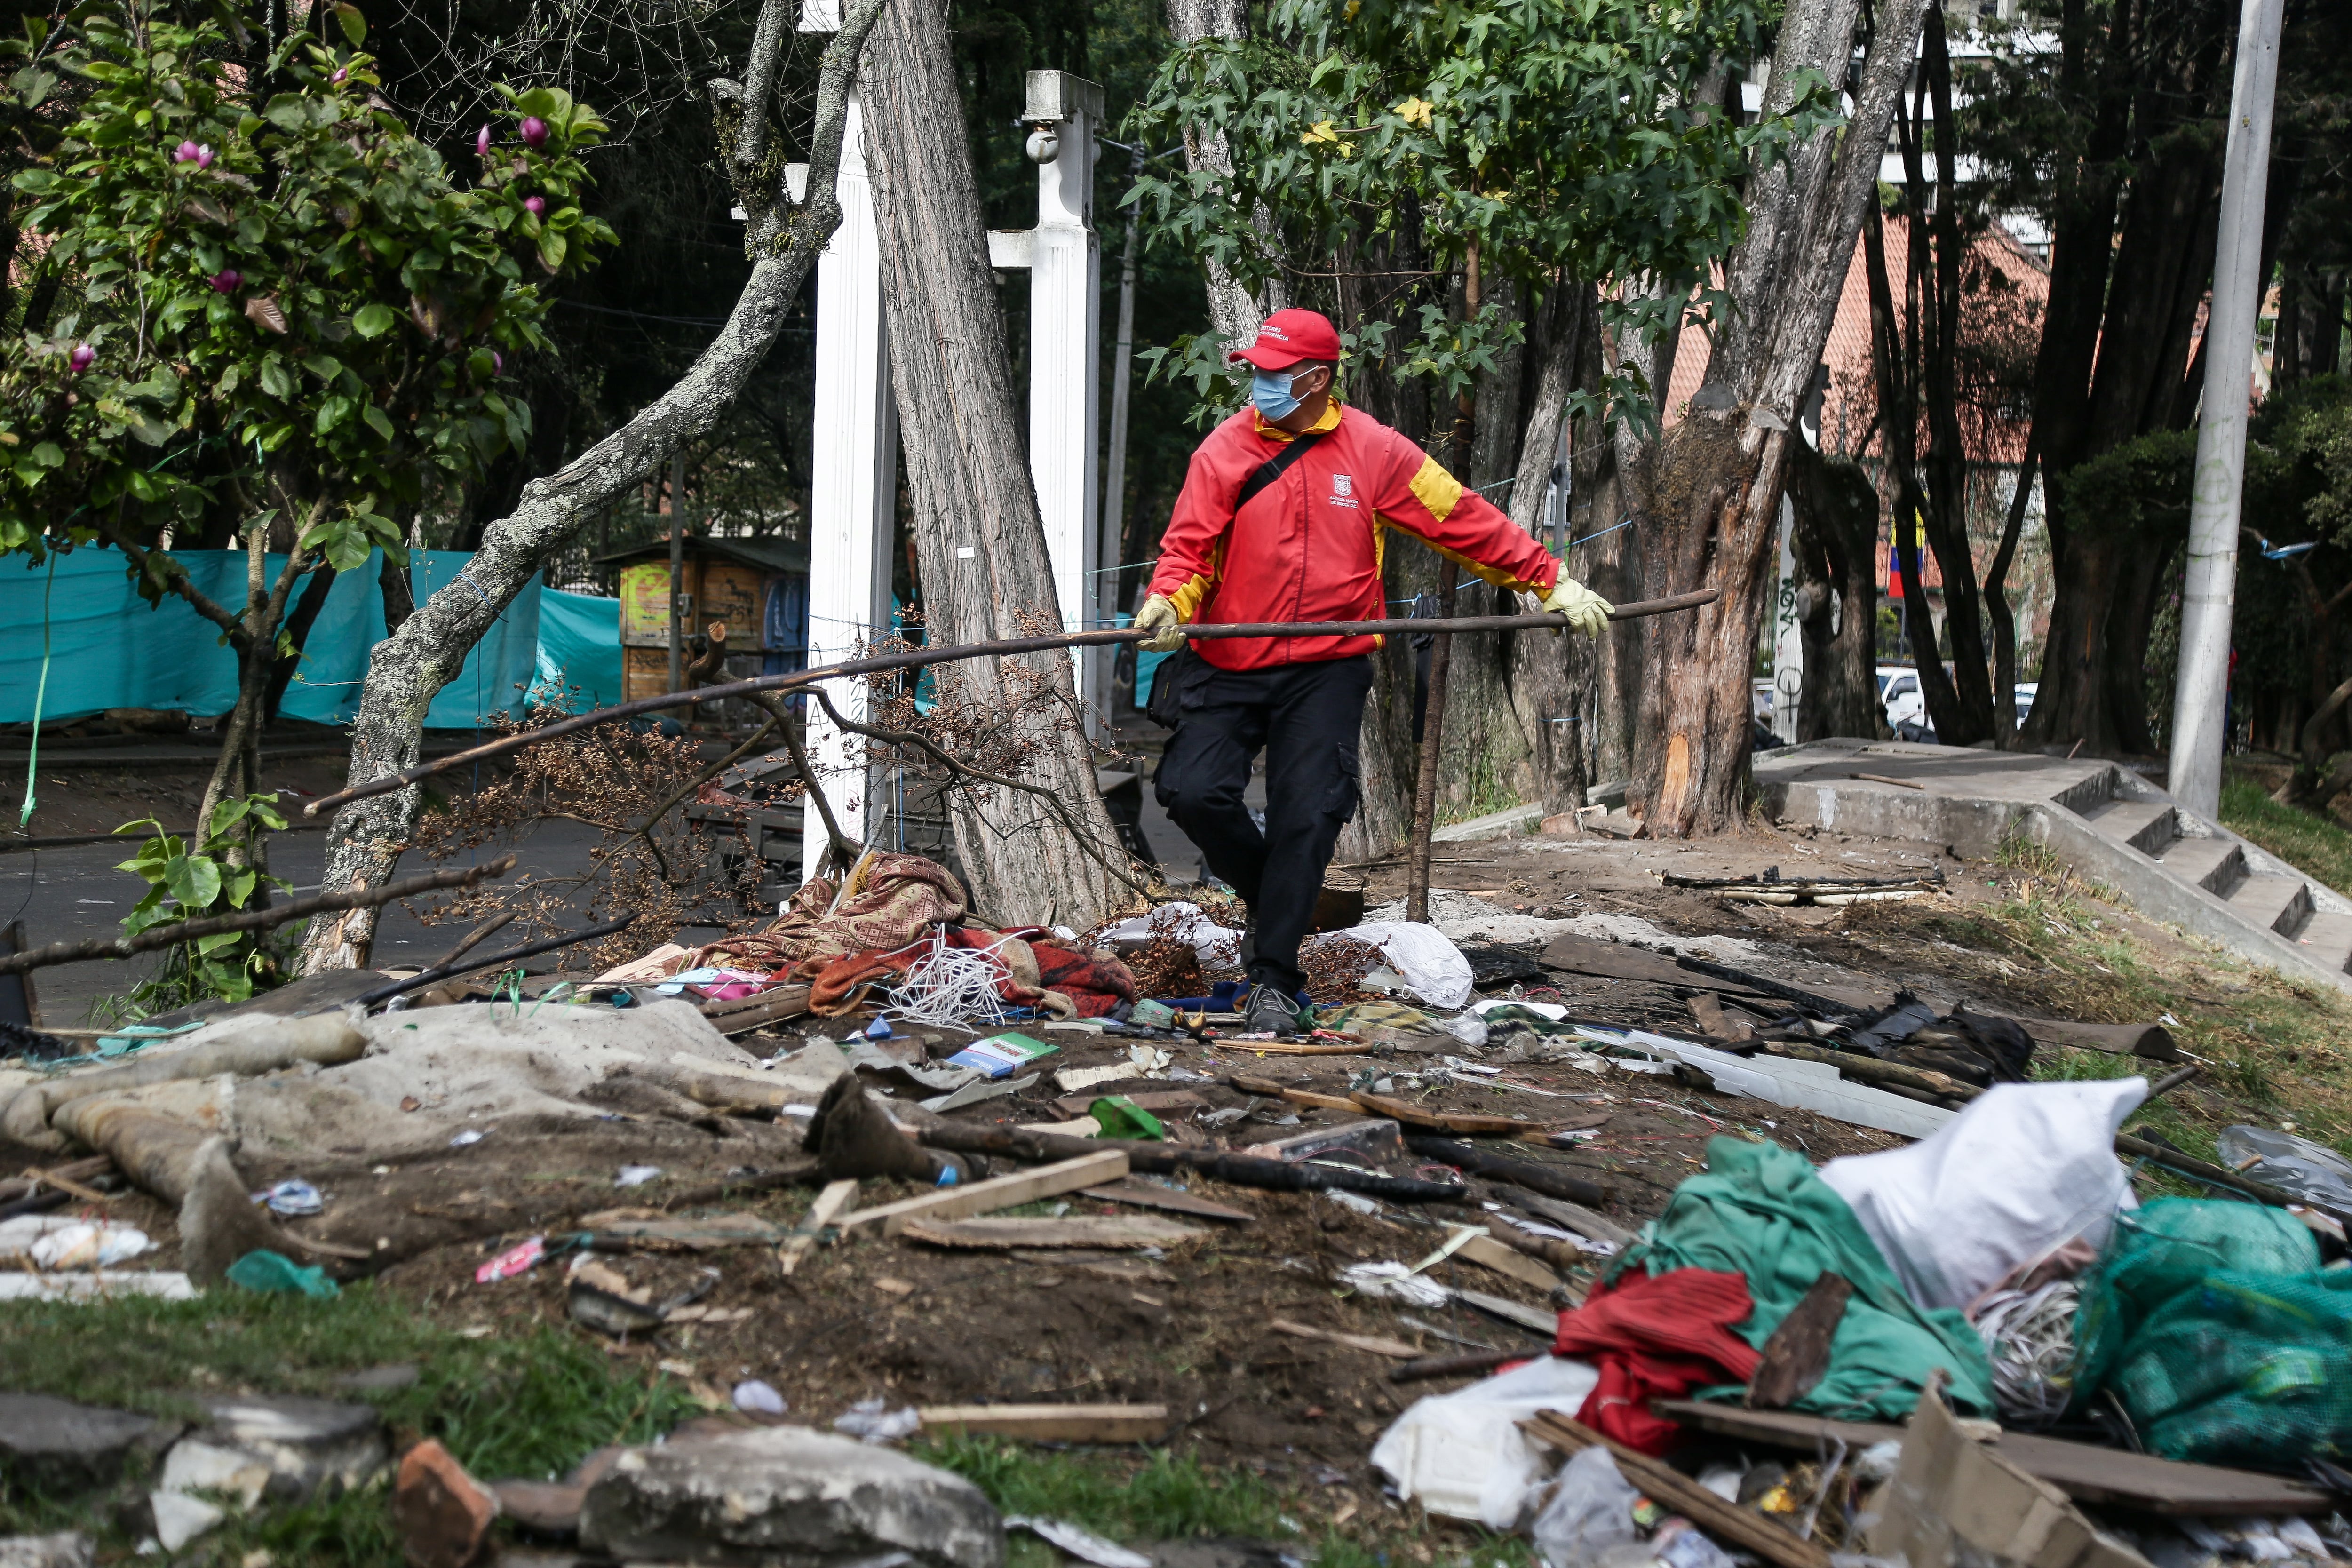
2025,1169
1463,1455
1590,1511
1422,955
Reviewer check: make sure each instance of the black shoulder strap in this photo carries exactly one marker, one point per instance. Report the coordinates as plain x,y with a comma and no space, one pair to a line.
1274,466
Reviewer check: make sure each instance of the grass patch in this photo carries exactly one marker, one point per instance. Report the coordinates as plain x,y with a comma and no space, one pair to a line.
530,1406
2314,845
1172,1496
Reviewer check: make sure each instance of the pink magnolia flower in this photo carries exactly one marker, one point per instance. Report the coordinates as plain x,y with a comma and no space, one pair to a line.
343,73
535,205
482,142
534,133
498,362
83,357
226,280
193,153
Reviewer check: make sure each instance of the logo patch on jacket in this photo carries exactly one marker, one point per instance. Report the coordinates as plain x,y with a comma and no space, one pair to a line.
1343,486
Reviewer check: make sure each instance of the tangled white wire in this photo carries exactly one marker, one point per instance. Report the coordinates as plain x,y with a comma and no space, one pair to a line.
951,985
2030,1338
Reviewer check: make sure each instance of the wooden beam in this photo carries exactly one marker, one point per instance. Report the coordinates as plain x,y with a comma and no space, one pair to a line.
1000,1192
1664,1484
1052,1423
830,1202
1365,1342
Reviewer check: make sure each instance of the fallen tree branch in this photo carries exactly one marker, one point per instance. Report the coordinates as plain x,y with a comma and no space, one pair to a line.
497,960
916,658
179,932
1241,1170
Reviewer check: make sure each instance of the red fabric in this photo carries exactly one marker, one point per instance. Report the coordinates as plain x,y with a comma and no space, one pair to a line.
1290,337
1308,546
1658,1338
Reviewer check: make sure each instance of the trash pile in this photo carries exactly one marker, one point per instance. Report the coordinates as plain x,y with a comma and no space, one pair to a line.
1699,1299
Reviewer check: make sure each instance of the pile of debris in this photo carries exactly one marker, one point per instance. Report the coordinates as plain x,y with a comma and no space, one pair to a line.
1689,1342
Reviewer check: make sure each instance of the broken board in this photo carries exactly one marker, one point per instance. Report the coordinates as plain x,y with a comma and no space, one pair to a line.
1128,1231
616,1234
1622,961
1145,1195
1369,1343
1052,1423
1153,1100
999,1193
2101,1477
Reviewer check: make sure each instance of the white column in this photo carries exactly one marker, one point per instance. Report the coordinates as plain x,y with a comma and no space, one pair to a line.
1064,353
2209,591
852,488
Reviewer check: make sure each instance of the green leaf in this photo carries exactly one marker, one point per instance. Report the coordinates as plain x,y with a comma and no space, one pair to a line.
376,319
551,248
378,421
354,24
276,379
218,940
194,879
238,886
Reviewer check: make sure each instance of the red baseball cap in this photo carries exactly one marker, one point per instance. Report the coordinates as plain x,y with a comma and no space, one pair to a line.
1289,337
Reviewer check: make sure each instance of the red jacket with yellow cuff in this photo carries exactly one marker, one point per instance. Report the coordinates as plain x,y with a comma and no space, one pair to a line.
1308,546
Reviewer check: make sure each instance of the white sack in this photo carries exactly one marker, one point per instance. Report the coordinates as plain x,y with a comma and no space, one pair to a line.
1427,959
1463,1454
2025,1169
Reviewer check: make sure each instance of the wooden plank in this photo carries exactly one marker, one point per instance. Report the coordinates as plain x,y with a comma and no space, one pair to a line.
1622,961
830,1202
1147,1100
1534,1320
1368,1344
1291,1048
1798,1351
2105,1476
1472,1123
1143,1194
1128,1231
1664,1484
1001,1193
1488,1253
1052,1423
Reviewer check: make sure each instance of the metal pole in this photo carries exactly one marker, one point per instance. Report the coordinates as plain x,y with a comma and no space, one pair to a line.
677,569
2200,693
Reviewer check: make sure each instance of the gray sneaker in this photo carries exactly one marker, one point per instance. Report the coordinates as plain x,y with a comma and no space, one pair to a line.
1268,1011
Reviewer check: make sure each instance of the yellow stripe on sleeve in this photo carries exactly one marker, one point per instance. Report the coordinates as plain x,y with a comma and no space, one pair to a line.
1435,489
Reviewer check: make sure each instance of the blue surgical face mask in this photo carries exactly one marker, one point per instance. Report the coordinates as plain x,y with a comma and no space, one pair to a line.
1270,390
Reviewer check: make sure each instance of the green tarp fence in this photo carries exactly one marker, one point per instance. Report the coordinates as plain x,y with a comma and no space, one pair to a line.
106,647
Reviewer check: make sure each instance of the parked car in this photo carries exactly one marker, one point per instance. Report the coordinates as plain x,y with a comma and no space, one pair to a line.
1899,695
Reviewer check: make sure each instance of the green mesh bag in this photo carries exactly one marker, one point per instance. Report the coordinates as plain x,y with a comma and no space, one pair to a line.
2245,1369
2156,1252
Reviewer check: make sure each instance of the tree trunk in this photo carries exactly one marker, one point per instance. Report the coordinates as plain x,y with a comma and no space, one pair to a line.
408,668
1714,482
1836,548
978,542
1234,311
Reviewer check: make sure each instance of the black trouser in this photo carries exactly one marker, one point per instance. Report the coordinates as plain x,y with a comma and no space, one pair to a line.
1307,718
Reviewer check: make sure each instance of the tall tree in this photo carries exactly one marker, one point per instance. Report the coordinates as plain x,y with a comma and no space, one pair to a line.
1709,489
1047,853
409,668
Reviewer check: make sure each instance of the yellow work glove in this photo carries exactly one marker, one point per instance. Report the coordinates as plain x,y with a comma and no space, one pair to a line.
1159,618
1586,610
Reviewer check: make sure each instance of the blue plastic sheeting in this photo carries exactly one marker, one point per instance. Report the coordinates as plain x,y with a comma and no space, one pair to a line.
109,648
579,650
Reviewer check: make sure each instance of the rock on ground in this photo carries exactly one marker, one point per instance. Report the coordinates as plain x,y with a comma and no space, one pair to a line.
69,1550
444,1515
789,1497
54,1446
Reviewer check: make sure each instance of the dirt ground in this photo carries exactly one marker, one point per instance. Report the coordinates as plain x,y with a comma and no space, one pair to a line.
1190,1329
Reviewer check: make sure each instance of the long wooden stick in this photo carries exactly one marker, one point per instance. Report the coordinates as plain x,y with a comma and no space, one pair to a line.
250,920
914,658
1433,729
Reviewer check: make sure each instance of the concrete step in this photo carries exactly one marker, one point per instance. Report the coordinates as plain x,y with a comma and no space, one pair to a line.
2328,939
2281,904
2216,865
2148,826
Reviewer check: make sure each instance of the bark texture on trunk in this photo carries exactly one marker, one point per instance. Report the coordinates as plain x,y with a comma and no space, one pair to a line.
979,540
1233,310
1714,482
408,668
1836,551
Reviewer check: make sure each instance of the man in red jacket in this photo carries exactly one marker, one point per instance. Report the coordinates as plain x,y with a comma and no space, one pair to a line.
1284,517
